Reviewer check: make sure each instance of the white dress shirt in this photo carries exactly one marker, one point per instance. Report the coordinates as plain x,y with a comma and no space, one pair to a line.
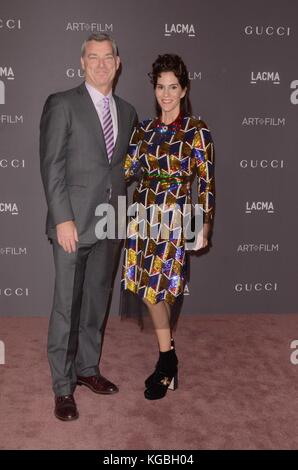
97,99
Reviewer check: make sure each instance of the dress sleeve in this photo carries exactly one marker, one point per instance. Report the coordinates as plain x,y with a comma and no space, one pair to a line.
132,162
203,151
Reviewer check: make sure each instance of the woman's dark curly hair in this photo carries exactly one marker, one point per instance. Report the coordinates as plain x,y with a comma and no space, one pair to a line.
172,63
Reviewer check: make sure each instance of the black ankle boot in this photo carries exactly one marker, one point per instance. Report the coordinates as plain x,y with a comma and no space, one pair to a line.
165,376
151,379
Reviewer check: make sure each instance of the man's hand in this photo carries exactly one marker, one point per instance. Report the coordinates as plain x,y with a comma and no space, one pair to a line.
67,236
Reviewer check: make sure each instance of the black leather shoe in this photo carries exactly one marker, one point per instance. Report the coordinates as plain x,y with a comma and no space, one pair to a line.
66,408
159,388
152,378
165,376
98,384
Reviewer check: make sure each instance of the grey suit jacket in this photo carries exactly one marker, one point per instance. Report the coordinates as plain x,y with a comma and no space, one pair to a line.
75,169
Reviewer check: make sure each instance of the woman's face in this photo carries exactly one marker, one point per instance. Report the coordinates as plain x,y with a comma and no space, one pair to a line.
169,92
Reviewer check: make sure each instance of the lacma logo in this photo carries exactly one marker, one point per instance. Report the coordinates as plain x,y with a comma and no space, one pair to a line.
173,29
272,77
10,207
259,206
7,72
186,290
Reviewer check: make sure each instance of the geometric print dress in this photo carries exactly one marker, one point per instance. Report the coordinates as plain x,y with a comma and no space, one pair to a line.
167,159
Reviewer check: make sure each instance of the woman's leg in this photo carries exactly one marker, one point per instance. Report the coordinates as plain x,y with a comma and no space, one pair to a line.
168,310
165,374
160,314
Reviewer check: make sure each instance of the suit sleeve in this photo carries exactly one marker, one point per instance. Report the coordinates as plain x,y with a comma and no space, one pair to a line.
132,162
53,146
203,151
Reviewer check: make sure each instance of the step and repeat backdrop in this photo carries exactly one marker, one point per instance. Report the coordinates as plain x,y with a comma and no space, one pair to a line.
242,61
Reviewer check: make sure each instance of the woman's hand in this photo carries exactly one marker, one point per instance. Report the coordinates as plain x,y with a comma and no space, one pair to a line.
202,238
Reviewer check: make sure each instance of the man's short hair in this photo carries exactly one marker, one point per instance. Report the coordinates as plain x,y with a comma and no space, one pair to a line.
99,37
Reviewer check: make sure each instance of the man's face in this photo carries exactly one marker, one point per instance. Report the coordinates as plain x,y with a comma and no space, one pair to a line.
100,65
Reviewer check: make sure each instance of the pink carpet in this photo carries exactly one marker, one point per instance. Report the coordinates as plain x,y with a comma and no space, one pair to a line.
237,388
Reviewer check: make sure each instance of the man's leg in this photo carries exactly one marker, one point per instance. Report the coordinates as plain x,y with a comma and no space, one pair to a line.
64,321
100,268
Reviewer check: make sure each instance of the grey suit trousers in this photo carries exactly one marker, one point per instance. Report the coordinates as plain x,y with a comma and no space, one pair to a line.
82,292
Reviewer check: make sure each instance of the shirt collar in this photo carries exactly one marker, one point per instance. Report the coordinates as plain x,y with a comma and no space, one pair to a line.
96,95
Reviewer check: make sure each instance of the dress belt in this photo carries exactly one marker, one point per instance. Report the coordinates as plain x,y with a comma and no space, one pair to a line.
164,178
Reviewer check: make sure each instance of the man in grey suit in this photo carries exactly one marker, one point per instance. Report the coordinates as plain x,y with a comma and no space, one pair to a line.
84,134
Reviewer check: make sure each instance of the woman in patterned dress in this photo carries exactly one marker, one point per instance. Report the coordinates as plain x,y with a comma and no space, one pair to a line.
167,151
